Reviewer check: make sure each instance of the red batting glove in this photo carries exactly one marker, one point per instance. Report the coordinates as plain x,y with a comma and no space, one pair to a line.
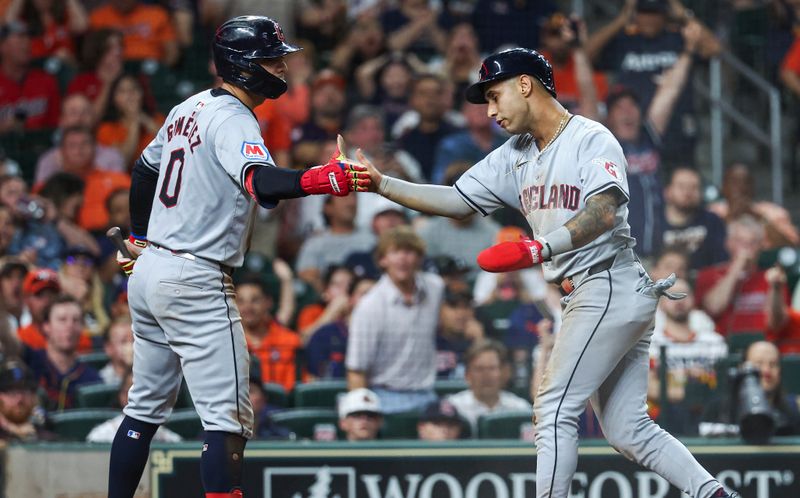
358,178
326,179
511,256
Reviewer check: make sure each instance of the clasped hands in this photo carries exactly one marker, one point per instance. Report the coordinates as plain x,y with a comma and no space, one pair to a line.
339,176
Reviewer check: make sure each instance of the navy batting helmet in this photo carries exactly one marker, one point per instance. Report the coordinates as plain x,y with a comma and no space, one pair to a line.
238,46
508,63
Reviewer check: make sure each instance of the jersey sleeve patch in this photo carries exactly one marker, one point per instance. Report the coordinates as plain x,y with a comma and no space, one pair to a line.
255,151
611,168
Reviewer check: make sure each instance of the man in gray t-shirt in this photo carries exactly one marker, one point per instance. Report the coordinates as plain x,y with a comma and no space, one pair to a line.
391,345
335,244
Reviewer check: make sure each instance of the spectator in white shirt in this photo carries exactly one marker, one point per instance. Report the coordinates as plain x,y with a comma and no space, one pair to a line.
487,372
119,348
391,344
105,432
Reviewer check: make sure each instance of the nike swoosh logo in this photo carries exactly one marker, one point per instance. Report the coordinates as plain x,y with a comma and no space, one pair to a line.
519,165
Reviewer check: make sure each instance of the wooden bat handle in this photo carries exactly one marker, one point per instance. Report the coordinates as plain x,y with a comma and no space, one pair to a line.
115,234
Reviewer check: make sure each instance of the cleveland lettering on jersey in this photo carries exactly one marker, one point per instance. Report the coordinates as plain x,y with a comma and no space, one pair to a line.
562,196
181,126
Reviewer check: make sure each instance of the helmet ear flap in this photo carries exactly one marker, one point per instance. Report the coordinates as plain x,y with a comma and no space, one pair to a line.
262,82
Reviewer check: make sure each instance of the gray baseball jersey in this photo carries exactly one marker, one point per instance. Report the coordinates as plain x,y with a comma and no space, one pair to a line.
202,154
601,351
551,188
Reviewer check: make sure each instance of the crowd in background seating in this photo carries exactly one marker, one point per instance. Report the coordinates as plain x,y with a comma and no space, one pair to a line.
357,293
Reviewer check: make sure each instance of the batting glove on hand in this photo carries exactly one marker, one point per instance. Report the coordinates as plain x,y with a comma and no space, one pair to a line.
125,263
330,178
511,256
135,248
358,179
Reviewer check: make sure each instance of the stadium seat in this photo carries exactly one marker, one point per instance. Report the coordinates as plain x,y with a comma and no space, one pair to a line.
276,395
96,360
319,394
400,425
737,343
74,425
507,425
790,373
184,400
446,387
305,422
96,396
186,423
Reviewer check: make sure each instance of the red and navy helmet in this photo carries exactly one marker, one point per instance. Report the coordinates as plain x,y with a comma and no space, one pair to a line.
238,46
509,63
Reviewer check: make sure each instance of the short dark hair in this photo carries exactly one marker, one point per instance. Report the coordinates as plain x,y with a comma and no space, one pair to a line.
420,78
255,280
61,186
58,301
484,346
331,271
76,129
683,167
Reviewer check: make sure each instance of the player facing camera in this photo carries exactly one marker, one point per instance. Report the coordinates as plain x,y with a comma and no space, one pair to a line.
752,410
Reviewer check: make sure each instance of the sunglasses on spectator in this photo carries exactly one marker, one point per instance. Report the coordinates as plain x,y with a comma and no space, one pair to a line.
80,260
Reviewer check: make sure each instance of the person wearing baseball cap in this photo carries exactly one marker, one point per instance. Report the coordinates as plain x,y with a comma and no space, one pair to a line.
440,421
17,402
39,289
360,415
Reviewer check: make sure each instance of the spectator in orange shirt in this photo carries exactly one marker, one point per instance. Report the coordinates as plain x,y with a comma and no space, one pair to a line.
333,306
53,25
274,345
29,97
580,88
276,130
39,289
101,64
77,150
147,29
130,122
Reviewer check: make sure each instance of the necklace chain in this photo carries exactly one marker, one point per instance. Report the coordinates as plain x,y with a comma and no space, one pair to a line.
560,128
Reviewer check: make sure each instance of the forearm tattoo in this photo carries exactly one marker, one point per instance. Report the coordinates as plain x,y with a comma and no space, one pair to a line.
594,219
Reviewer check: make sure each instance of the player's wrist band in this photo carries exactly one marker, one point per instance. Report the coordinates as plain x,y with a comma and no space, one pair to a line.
138,240
556,242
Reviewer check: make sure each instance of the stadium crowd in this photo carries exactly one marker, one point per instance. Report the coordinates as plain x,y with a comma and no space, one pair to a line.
355,297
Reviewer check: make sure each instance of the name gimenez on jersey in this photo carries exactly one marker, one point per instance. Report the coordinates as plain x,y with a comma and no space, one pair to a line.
187,127
563,196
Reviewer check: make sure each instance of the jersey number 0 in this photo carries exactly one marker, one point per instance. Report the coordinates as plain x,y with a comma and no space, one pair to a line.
170,200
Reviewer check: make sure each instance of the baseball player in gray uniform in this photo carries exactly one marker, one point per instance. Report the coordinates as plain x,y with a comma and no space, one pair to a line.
193,196
566,174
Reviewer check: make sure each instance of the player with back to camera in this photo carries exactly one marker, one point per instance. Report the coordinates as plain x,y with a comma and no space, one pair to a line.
193,194
566,174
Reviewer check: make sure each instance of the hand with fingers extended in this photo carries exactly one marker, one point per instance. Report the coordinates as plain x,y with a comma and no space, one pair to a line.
371,172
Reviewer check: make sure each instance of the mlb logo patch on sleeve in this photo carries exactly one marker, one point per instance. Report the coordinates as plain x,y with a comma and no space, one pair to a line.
133,434
255,151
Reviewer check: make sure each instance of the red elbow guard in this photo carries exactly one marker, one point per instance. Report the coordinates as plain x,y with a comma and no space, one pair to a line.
511,256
